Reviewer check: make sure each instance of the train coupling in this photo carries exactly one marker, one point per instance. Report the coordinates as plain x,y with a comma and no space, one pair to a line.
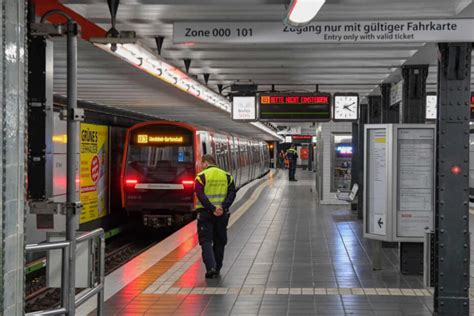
158,221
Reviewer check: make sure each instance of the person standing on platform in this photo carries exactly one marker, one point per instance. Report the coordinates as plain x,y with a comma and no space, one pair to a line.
281,159
292,155
215,190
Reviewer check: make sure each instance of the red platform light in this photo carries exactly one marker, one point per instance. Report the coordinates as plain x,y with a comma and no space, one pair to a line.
455,170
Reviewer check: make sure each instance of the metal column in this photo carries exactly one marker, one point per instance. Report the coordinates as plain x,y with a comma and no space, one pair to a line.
452,181
390,114
355,161
413,107
363,119
13,68
413,110
375,111
73,125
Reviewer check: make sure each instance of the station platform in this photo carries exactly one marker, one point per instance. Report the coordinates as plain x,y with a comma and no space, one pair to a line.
286,255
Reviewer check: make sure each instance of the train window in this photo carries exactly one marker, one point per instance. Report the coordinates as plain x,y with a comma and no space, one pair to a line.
204,148
164,164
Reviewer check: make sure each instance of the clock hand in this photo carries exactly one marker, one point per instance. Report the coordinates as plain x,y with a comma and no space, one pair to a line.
347,108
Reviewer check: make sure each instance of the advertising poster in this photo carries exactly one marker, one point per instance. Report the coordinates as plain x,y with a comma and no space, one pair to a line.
93,171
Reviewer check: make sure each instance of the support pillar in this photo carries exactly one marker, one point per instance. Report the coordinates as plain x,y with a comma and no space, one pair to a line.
363,119
413,110
451,295
413,107
389,115
355,161
12,155
375,111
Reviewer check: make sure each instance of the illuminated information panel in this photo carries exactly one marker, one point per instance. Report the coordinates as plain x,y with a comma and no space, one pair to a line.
295,107
472,106
160,140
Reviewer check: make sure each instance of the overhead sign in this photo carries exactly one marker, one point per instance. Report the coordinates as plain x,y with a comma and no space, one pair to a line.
295,107
244,108
396,93
446,30
302,138
93,173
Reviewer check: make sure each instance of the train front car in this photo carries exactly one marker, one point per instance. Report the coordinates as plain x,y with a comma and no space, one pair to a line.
158,173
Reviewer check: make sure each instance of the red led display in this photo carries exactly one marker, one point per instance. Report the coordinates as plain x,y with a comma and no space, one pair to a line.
295,107
302,137
294,99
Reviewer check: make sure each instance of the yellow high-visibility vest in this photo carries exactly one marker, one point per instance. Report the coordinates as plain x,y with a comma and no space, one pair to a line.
215,185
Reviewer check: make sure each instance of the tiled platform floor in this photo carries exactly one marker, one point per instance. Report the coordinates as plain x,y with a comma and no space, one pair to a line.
286,256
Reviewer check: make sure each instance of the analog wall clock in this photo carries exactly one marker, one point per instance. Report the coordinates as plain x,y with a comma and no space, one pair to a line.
346,107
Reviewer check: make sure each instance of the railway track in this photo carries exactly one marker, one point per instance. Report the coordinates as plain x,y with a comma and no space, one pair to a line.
40,297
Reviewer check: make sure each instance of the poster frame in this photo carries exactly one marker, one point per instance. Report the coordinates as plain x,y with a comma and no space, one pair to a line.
396,201
392,174
388,175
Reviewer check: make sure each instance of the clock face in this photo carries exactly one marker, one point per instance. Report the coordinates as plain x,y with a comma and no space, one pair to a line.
346,107
431,107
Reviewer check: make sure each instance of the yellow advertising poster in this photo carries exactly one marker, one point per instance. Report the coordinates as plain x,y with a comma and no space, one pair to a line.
93,172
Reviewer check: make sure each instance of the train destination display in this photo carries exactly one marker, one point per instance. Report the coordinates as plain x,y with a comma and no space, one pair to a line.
295,107
142,138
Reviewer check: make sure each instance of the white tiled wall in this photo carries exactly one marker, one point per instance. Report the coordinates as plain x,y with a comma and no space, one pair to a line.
327,129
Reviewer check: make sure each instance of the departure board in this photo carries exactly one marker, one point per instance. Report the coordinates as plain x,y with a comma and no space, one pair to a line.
295,107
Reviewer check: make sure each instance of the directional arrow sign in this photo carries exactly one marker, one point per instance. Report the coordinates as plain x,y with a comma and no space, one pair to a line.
380,222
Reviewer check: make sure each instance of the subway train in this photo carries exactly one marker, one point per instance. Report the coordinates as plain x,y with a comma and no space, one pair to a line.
161,159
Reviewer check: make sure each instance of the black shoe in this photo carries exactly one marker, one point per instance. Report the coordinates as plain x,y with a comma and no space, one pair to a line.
295,179
211,273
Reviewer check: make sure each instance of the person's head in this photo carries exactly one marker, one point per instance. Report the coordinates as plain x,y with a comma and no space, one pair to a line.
207,160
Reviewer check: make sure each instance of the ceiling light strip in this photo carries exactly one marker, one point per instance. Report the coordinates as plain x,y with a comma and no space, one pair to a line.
141,58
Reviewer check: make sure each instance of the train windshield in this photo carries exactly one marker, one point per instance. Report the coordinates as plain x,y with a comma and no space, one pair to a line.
168,164
157,157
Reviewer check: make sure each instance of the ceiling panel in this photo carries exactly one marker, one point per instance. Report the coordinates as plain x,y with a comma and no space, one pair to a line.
106,80
300,67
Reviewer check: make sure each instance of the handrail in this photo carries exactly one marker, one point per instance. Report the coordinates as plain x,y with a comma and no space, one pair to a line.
47,246
57,311
64,247
89,235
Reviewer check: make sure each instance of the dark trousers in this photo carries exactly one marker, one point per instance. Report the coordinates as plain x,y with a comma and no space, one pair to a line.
292,171
212,234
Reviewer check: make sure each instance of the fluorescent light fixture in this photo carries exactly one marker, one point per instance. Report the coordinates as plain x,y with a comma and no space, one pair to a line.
301,12
143,59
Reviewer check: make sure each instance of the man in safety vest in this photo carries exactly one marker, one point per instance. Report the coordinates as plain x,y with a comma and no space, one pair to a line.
215,190
292,156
